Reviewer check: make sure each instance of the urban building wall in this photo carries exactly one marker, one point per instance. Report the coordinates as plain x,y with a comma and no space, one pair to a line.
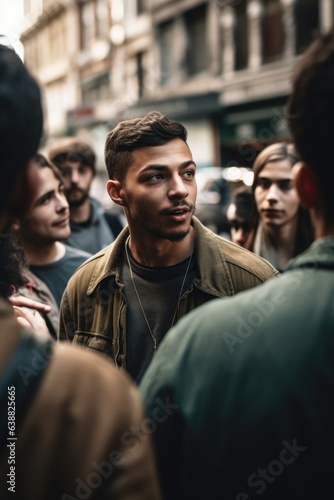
222,67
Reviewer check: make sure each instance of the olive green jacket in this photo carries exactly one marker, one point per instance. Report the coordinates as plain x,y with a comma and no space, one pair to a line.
250,382
93,309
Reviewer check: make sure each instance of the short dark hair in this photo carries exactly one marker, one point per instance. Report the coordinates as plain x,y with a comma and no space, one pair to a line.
74,150
311,113
154,129
21,120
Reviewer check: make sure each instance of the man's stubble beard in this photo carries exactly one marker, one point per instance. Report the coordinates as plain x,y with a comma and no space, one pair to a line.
78,202
174,236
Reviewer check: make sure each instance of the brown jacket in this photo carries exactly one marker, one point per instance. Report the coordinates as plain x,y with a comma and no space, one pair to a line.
93,309
36,289
83,435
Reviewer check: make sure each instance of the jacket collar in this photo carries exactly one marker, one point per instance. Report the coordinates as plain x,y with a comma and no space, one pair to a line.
109,263
320,255
212,274
210,262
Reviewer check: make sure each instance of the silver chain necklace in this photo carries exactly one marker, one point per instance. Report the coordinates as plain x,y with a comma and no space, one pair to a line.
154,339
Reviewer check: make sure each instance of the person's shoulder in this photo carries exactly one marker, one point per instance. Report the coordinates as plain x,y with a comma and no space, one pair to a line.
94,265
77,377
235,255
245,267
76,252
91,260
92,368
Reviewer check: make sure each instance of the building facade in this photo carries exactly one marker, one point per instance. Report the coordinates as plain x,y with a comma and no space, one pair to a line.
222,67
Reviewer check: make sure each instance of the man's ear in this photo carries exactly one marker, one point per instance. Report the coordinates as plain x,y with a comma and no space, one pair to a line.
306,185
115,191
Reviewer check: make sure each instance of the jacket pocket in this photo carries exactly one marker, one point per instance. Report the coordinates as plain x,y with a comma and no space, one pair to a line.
95,341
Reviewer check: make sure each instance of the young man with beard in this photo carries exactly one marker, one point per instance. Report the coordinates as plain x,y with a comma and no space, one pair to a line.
92,227
123,301
66,415
42,230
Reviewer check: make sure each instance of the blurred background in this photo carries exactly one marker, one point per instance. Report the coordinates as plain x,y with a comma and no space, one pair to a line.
221,67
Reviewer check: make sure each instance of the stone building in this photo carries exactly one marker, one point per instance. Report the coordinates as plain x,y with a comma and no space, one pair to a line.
222,67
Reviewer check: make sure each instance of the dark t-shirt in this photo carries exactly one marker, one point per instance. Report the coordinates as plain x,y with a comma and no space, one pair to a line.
159,290
57,274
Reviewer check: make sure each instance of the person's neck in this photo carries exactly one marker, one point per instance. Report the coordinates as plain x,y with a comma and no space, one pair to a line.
282,240
44,254
322,227
82,212
161,252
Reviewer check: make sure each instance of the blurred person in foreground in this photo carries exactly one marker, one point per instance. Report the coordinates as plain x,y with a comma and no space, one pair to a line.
43,229
251,378
67,416
281,227
239,213
164,263
92,227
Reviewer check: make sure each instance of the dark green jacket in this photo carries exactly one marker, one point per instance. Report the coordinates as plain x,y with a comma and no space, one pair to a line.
93,310
249,383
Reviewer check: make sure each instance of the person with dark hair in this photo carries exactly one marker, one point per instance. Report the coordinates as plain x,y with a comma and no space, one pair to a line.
281,227
17,281
239,213
92,226
68,418
251,377
164,264
13,265
44,227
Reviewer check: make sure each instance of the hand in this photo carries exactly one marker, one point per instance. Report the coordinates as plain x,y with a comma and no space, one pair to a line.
31,319
21,301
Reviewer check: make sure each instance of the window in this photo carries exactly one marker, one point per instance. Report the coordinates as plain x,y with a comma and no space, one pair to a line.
87,23
272,31
140,74
102,19
307,22
141,6
193,55
241,36
168,66
57,37
197,54
96,89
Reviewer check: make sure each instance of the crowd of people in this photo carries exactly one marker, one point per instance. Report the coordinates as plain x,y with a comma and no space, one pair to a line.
157,359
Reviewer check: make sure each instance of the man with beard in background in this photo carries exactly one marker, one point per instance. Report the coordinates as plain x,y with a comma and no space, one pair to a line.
43,229
92,227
